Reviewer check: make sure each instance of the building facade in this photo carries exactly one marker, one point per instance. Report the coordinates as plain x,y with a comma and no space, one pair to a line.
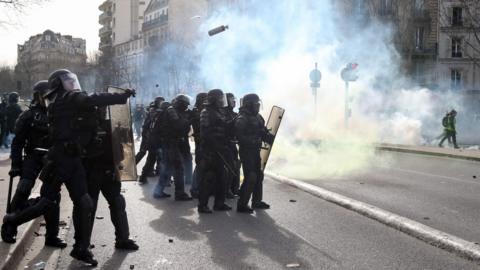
459,45
46,52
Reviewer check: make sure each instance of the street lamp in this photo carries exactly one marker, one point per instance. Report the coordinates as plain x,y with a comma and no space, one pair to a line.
315,77
348,74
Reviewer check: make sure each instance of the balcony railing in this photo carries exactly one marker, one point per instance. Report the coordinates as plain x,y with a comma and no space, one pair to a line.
105,5
105,16
163,19
105,31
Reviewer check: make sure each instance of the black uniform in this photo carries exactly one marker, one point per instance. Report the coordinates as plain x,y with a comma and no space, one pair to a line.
250,131
233,173
147,145
195,121
3,122
12,112
177,127
101,177
31,132
214,138
70,134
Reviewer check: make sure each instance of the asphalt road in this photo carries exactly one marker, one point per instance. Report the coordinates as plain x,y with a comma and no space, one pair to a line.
309,232
440,192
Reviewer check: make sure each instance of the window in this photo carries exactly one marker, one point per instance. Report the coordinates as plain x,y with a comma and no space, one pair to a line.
385,7
47,37
456,79
457,16
456,47
419,5
419,38
113,22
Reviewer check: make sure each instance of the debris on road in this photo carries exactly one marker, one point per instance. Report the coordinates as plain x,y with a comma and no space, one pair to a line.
293,265
426,218
62,223
99,217
474,176
39,266
170,240
293,200
132,266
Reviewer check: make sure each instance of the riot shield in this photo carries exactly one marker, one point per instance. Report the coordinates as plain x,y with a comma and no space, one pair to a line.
123,146
272,125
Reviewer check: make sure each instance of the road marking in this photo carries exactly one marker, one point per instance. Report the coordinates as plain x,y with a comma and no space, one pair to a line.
434,237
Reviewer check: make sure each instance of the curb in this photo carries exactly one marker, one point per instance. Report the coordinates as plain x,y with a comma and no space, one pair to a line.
21,246
425,152
434,237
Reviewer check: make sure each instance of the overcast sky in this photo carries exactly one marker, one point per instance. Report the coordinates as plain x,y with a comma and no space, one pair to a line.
78,18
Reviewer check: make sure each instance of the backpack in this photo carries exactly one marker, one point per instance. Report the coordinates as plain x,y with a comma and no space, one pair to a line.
445,121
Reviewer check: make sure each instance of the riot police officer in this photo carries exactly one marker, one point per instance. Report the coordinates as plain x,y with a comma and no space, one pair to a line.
250,131
102,177
31,137
69,134
173,147
159,135
195,121
13,110
213,137
147,143
233,174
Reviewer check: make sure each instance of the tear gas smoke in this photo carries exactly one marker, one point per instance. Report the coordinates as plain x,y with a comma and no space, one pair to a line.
271,51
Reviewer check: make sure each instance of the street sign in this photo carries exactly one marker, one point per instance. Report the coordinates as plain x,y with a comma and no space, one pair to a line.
349,73
315,75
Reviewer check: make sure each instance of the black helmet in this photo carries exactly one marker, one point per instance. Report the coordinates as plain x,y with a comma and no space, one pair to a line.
251,102
181,102
40,87
216,98
164,105
200,99
158,100
13,97
62,79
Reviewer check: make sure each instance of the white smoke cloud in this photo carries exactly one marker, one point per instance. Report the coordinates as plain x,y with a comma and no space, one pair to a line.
270,48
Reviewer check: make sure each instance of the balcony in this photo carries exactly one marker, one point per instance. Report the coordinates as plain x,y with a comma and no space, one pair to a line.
104,45
105,17
105,31
105,5
424,53
162,20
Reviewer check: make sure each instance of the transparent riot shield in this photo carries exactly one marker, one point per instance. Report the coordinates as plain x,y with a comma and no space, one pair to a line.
272,125
123,146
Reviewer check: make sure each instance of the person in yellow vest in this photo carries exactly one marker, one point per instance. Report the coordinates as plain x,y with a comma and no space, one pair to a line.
450,131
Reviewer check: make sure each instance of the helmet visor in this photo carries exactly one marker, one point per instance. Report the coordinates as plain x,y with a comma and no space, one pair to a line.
259,104
70,82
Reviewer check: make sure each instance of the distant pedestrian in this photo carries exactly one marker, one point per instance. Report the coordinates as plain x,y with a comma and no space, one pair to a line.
450,132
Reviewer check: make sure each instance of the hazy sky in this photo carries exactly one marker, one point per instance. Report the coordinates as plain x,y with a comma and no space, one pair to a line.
78,18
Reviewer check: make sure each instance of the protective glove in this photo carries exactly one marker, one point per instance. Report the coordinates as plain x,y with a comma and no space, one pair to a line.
131,92
15,171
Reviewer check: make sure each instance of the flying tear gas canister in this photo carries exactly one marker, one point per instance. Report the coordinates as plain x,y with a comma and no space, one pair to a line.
217,30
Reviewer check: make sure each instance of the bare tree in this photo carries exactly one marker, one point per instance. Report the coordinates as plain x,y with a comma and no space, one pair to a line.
10,10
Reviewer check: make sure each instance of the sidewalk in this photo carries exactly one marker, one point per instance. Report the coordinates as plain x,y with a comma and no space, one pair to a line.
10,253
433,151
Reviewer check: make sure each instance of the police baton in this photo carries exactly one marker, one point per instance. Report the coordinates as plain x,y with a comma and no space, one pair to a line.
9,197
226,164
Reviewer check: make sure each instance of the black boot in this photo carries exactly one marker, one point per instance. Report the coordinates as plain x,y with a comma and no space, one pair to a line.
204,209
84,255
142,179
9,233
183,197
128,244
260,205
55,242
244,209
